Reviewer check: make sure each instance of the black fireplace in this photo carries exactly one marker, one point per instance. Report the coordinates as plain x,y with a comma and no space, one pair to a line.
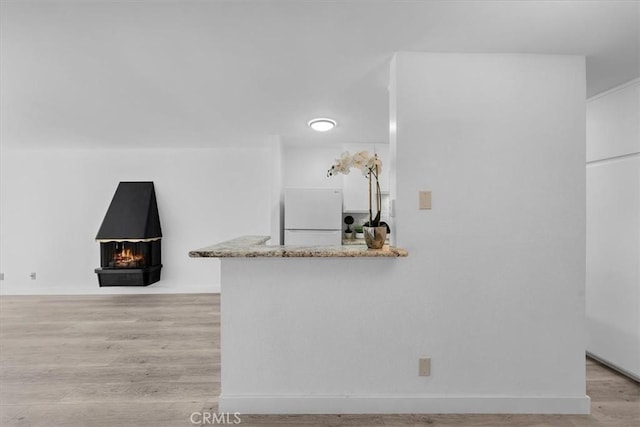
130,237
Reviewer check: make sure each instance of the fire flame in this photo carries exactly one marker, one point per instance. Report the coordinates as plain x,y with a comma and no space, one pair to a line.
126,257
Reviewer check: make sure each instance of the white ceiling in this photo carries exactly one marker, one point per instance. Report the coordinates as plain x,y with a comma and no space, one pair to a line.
208,73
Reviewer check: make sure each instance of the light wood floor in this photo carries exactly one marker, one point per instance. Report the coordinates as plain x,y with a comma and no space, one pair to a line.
153,360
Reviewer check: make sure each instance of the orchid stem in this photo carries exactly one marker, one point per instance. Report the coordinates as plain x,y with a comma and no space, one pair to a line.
370,212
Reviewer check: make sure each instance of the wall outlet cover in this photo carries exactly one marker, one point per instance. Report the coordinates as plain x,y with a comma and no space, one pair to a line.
424,366
424,199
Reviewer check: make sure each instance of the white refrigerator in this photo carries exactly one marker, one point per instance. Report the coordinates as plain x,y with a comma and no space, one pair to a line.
312,216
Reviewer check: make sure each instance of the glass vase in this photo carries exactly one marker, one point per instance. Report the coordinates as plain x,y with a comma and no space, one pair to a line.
375,236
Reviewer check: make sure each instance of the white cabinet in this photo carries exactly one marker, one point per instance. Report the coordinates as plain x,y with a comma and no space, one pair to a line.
613,251
355,186
613,228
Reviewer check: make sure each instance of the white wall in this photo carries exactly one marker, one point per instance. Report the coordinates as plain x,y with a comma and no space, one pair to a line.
53,202
613,227
277,193
494,281
343,335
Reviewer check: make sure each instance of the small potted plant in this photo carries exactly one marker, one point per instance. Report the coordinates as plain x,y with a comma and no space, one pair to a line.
359,229
348,234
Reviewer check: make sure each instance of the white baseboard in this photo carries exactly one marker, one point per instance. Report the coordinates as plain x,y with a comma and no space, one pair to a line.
634,376
92,288
404,404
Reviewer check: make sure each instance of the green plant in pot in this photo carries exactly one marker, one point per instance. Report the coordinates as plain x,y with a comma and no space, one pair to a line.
359,232
375,231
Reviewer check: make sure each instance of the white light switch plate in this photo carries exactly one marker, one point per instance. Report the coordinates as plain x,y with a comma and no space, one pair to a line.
424,199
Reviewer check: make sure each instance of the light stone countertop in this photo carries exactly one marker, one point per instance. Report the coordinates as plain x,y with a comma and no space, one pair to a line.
254,246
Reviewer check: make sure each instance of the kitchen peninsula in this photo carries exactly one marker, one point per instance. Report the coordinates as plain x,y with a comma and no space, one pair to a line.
254,246
300,326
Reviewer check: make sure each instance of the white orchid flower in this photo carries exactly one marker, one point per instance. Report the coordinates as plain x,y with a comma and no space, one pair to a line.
360,160
342,165
376,164
371,167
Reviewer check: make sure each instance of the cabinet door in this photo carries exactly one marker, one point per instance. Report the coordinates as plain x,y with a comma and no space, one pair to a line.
313,237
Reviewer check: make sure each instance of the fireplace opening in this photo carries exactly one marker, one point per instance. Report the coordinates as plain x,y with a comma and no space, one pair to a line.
129,237
126,258
129,254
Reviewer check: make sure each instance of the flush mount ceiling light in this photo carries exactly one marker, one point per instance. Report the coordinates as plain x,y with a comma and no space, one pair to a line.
322,124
